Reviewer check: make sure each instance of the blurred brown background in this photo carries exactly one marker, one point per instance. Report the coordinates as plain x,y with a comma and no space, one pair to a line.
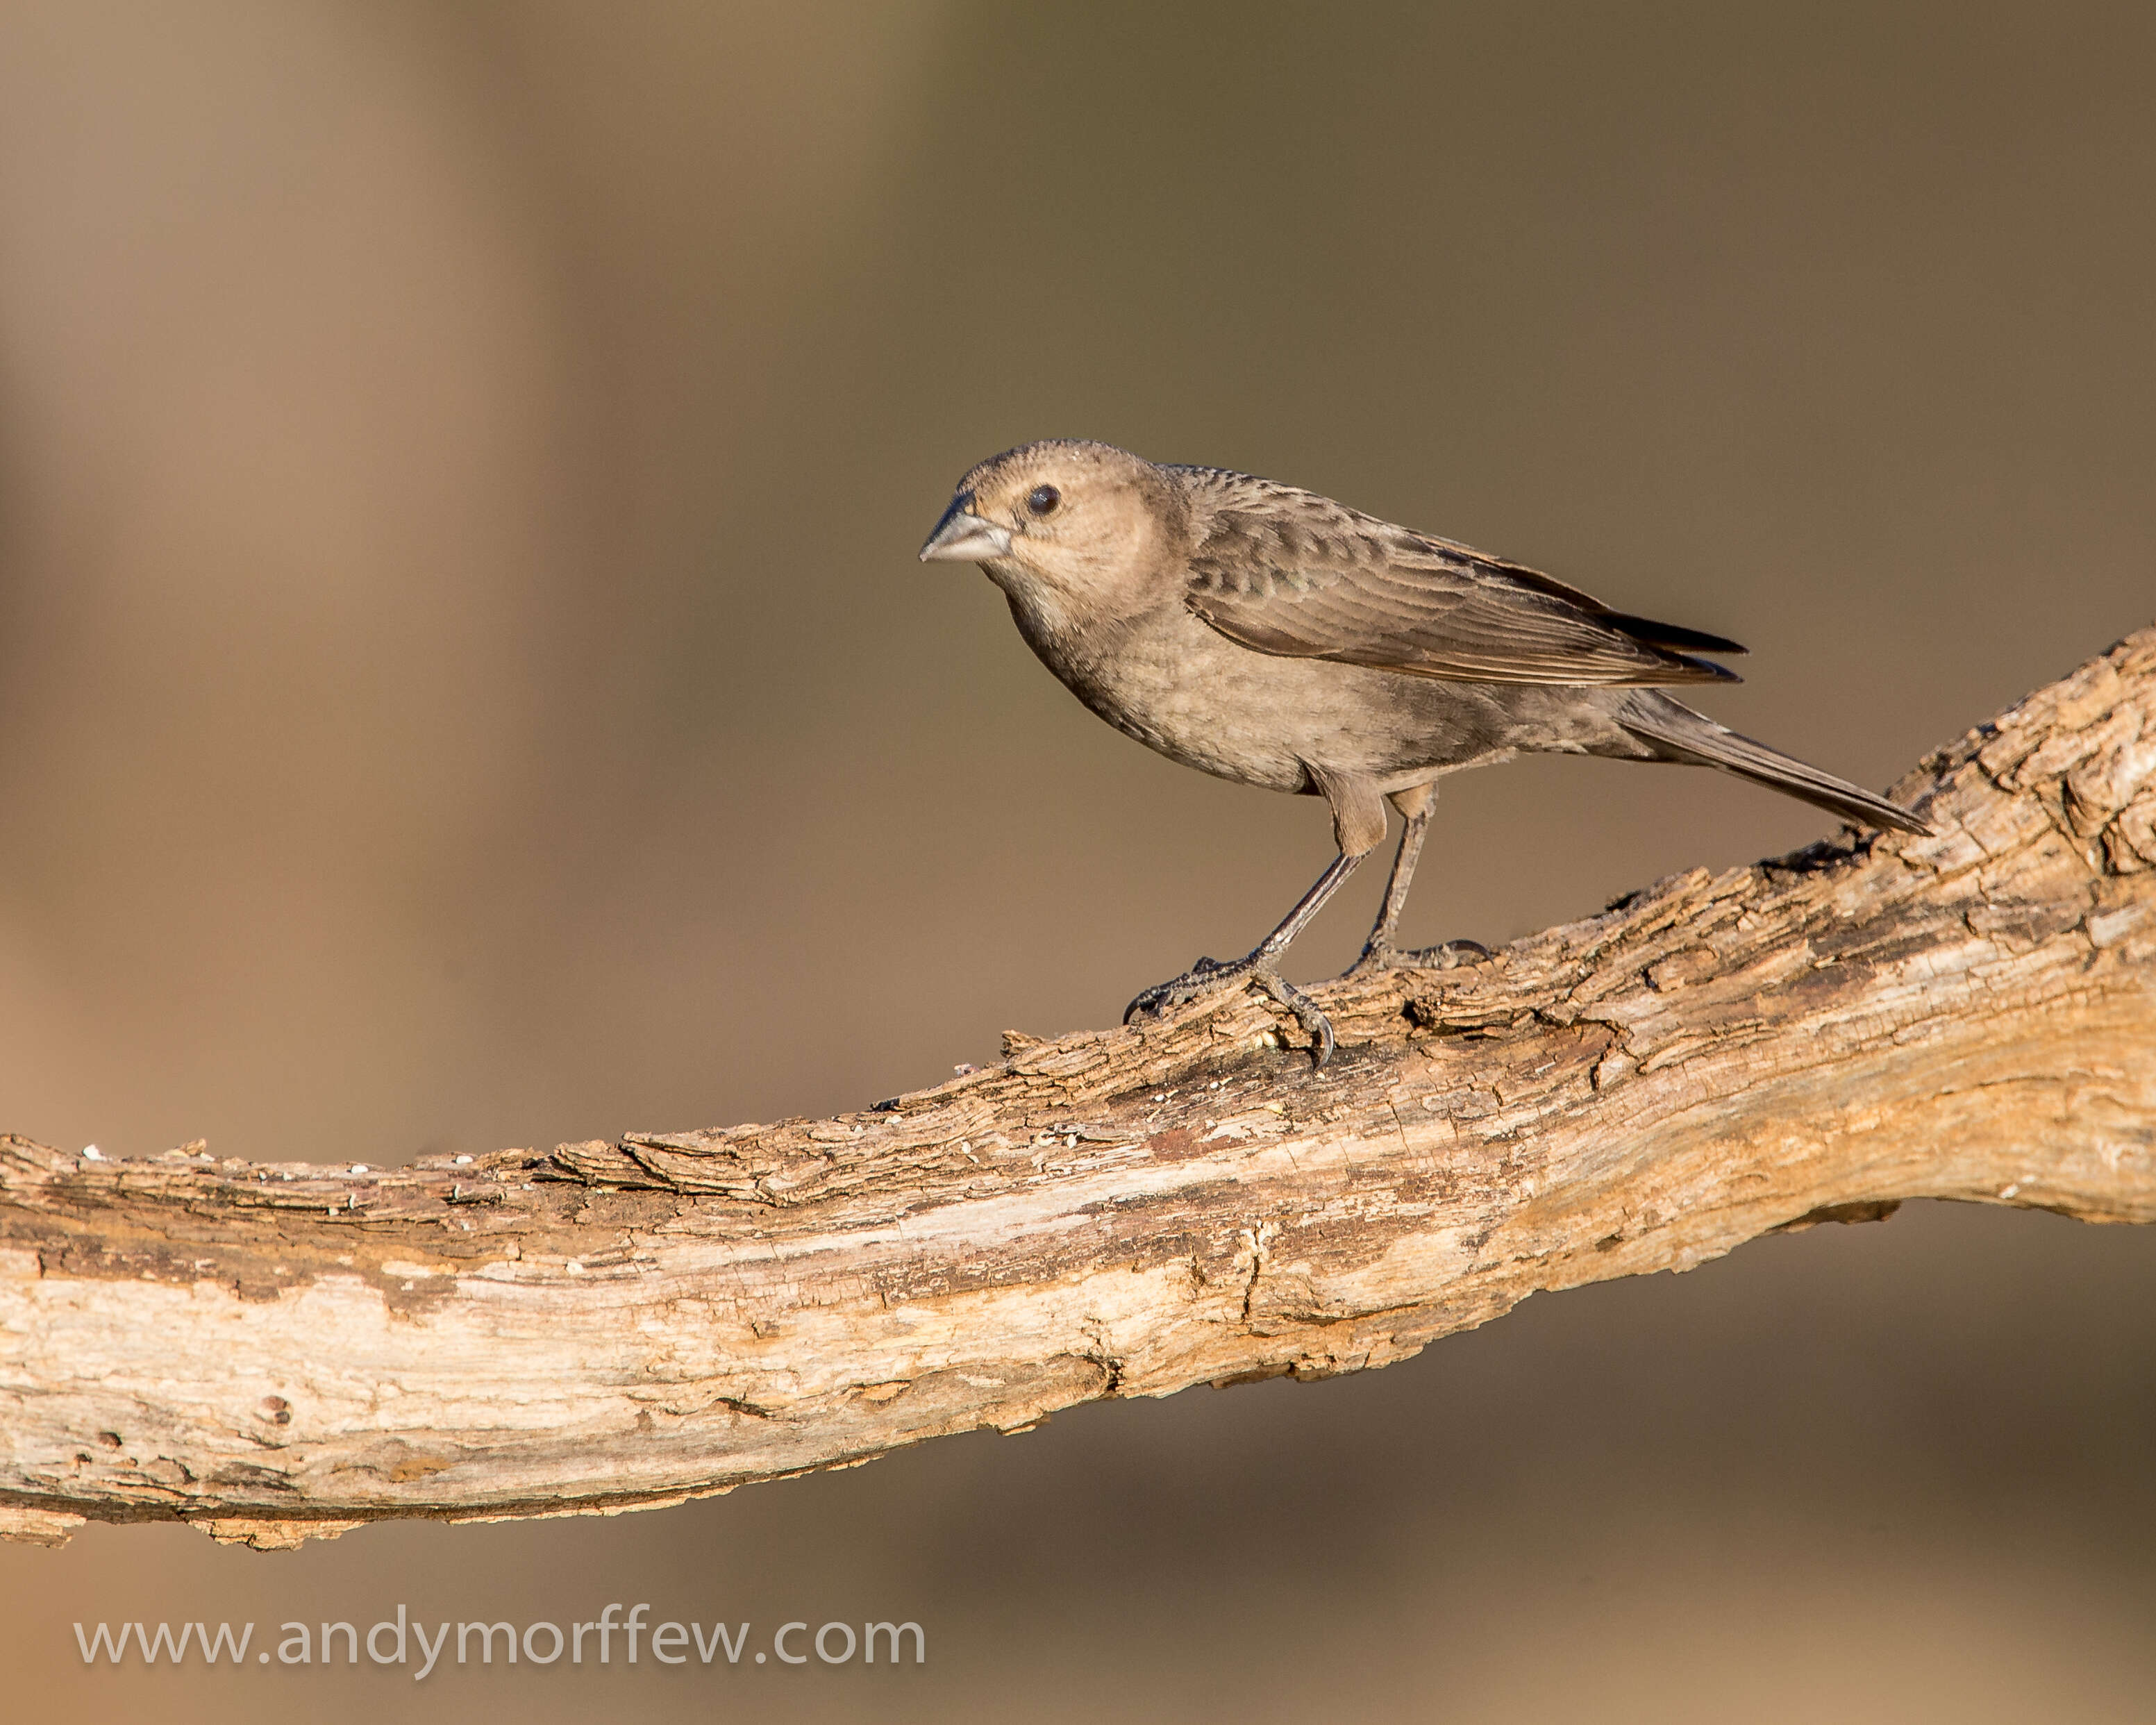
464,681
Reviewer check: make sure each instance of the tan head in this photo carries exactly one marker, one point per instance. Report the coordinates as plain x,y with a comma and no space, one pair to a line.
1065,522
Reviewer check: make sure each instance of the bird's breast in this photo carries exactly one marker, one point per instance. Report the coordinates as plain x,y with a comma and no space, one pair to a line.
1173,684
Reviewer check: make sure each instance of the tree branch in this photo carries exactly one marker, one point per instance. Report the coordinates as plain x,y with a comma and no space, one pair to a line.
276,1351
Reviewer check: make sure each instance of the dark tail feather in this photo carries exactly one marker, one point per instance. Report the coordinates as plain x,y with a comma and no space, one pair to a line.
1669,634
1676,733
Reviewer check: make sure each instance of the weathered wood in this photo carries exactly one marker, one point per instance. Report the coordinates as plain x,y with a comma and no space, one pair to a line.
276,1351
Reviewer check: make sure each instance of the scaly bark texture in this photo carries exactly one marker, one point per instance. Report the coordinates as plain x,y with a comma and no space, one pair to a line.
279,1351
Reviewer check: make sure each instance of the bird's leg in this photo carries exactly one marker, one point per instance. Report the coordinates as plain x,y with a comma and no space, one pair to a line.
1378,952
1260,968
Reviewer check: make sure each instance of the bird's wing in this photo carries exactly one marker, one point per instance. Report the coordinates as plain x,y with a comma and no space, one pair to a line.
1287,571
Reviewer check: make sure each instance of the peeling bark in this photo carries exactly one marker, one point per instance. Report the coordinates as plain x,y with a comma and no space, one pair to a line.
279,1351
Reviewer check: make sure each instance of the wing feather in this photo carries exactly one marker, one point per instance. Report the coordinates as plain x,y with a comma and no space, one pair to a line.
1286,572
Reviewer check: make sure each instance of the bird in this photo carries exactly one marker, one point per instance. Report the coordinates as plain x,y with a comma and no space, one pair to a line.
1271,636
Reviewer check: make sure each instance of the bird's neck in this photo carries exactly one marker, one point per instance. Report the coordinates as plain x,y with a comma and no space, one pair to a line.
1076,642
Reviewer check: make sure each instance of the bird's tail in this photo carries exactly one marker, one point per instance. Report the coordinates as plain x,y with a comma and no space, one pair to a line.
1675,732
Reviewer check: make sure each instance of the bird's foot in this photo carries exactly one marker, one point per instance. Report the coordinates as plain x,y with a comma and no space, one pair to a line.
1210,976
1381,956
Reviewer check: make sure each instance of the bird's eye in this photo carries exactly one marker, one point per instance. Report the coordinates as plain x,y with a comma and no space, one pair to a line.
1043,499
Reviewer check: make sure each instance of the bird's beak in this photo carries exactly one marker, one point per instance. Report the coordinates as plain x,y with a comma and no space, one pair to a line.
964,537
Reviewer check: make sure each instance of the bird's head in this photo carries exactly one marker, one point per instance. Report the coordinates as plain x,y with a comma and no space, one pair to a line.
1083,523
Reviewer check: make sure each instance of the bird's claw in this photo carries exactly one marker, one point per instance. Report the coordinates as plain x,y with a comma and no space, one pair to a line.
1205,975
1210,976
1383,957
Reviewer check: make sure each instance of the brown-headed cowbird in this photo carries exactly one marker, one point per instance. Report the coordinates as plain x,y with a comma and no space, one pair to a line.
1271,636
